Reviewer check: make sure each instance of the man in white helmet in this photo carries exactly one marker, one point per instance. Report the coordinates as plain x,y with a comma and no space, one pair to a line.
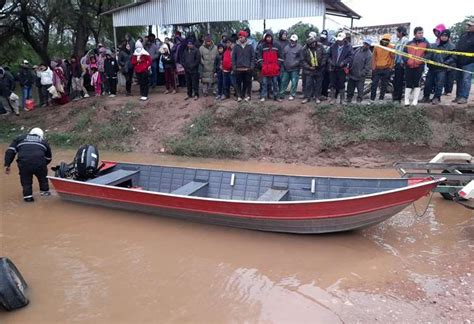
34,154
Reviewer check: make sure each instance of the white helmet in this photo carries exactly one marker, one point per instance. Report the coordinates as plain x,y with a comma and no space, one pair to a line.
37,131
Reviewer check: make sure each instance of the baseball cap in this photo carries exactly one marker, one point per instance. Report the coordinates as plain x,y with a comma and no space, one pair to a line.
341,36
294,38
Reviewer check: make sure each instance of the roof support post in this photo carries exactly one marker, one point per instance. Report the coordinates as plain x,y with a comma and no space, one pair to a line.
115,42
209,28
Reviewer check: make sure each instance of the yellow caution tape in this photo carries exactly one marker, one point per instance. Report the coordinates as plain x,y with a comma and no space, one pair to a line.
421,59
440,51
411,55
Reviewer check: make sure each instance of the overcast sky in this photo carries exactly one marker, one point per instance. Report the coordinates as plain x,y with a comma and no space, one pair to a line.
419,13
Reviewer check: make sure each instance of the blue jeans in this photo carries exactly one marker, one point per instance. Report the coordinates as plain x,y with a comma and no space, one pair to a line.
154,73
25,94
288,76
463,81
274,81
220,83
435,79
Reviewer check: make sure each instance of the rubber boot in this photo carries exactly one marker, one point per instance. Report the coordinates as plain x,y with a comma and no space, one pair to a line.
416,94
332,94
407,96
342,96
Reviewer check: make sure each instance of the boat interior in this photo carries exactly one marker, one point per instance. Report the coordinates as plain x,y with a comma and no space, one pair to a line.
239,185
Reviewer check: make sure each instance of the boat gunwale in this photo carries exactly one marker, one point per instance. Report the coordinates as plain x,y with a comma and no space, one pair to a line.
253,202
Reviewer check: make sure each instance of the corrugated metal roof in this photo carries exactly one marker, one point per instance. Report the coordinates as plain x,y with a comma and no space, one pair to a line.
167,12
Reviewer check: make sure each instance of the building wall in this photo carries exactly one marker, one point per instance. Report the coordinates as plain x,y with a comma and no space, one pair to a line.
167,12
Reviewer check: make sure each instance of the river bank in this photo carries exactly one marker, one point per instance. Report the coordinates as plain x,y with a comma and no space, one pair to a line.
288,132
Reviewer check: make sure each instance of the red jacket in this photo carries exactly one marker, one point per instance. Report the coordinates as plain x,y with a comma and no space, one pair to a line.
227,60
143,65
270,58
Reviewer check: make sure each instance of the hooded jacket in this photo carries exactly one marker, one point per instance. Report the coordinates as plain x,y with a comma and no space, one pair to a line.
46,76
141,60
280,42
361,64
270,58
307,60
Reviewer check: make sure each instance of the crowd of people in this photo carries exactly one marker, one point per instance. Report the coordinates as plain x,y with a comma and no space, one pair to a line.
329,67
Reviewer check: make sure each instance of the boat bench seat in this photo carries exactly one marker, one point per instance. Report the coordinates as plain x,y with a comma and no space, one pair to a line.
114,178
191,188
273,195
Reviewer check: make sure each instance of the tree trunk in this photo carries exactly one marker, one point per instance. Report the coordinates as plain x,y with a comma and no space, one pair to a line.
81,40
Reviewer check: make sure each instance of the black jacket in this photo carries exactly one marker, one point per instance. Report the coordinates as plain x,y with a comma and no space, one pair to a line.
190,60
7,85
243,57
32,150
168,61
26,77
306,60
345,59
465,44
111,68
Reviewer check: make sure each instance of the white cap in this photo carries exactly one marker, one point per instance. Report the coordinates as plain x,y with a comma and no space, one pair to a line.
313,34
26,62
341,36
37,131
294,38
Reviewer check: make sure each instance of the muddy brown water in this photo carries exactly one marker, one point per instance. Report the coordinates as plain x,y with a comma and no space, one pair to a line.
96,265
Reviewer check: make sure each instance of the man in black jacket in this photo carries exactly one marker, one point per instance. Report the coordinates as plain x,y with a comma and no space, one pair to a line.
26,78
190,61
8,99
111,69
34,154
463,79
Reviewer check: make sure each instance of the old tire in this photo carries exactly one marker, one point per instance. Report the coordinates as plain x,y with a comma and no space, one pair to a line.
12,286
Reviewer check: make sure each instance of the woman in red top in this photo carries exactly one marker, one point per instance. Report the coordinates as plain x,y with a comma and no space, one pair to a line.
226,69
141,62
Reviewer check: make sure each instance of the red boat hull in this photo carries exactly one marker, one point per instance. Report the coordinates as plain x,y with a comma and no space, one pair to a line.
315,216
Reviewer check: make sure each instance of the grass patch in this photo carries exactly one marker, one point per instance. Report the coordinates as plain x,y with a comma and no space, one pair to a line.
383,122
247,117
200,140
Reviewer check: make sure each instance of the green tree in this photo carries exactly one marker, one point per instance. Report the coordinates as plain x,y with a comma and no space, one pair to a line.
459,28
302,30
216,28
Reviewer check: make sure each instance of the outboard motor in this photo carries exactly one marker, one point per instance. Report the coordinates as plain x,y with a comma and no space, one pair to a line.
85,165
86,162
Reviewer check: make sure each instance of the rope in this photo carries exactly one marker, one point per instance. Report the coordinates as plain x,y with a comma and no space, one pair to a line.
426,208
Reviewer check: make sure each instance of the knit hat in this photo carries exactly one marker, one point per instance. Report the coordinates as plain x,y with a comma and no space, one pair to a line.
243,33
207,38
324,34
446,32
190,41
387,36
